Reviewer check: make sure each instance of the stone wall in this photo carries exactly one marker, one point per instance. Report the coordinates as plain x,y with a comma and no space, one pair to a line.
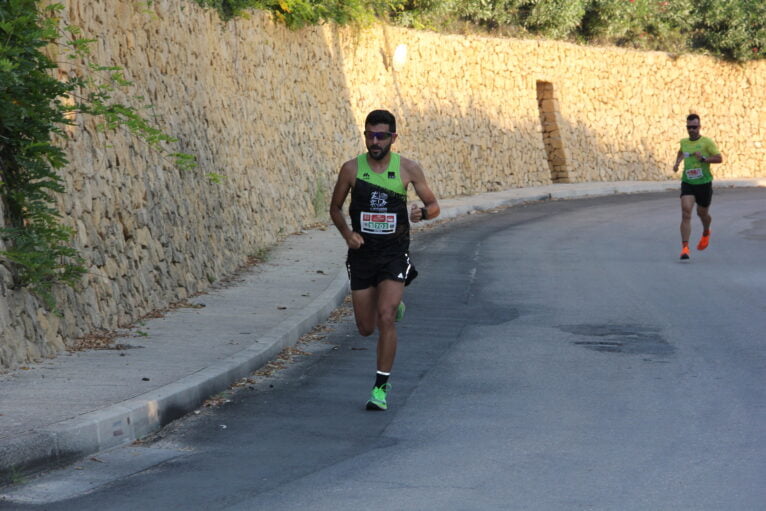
276,112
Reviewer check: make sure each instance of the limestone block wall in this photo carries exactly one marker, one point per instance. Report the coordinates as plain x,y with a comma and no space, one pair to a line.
619,113
276,112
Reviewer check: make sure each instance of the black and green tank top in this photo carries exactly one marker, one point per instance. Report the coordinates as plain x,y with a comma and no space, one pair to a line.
378,208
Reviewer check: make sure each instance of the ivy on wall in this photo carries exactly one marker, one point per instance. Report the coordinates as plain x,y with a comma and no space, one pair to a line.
35,106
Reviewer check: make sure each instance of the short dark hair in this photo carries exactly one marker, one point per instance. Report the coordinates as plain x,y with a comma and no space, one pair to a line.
381,117
692,117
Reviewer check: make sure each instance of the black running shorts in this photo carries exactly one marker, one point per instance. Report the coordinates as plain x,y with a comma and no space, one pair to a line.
703,194
366,271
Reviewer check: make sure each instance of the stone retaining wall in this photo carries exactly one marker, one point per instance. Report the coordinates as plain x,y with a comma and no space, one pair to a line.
276,112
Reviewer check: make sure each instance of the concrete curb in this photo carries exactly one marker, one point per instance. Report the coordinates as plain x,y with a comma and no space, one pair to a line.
125,422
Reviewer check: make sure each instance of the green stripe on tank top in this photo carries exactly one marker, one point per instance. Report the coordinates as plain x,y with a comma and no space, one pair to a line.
390,179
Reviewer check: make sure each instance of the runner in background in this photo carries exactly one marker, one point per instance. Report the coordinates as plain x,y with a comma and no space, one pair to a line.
697,153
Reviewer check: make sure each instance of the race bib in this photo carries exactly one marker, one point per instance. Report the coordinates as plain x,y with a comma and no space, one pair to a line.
378,223
693,173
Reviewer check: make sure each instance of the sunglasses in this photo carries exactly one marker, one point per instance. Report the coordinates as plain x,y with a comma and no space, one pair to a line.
377,135
692,127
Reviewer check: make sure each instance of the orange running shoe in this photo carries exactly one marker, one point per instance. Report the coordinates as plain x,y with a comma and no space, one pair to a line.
685,253
704,241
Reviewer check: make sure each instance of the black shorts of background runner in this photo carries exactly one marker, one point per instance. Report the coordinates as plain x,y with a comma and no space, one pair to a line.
366,271
703,194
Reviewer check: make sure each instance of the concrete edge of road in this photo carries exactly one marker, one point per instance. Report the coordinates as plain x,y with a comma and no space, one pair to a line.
130,420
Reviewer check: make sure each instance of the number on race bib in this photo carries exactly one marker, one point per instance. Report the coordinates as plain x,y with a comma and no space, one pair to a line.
378,223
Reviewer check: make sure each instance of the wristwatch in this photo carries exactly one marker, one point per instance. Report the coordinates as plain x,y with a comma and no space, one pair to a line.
704,159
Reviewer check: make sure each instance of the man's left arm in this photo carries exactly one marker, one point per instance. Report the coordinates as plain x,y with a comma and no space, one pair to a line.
430,209
715,154
712,150
716,158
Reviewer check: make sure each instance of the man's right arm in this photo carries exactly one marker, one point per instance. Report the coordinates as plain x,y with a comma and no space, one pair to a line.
342,187
679,159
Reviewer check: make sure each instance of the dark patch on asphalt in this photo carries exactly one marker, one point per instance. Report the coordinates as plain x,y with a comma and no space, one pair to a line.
627,339
757,230
486,314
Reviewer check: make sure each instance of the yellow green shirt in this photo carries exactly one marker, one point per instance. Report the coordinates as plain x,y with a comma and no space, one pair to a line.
695,171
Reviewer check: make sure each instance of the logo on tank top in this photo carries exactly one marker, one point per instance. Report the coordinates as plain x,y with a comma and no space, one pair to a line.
378,201
392,175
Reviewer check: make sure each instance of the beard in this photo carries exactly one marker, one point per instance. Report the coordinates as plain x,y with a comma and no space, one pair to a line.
382,154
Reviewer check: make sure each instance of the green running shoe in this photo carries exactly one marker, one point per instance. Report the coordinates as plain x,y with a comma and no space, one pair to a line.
400,311
378,397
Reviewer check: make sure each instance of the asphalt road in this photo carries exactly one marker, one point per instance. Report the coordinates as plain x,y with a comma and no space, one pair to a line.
554,356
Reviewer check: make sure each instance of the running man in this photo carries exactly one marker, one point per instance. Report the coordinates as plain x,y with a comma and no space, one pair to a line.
378,240
697,153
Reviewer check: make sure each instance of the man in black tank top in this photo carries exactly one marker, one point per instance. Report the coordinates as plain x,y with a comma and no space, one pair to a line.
378,239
